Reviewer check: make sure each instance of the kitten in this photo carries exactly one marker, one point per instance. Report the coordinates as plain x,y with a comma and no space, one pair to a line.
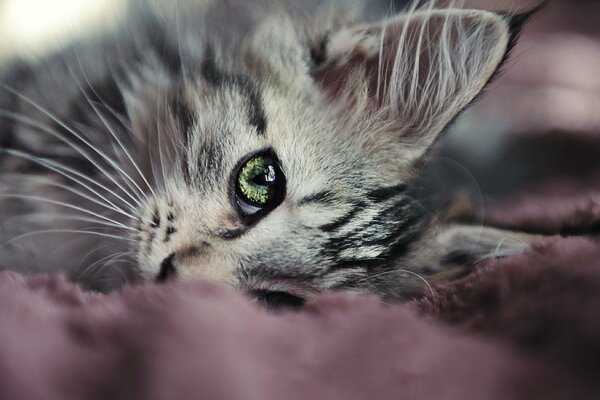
269,145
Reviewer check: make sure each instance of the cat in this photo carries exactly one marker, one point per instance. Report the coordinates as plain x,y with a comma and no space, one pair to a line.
271,146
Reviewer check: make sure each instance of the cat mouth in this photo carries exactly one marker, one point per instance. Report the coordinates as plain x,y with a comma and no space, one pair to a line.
277,300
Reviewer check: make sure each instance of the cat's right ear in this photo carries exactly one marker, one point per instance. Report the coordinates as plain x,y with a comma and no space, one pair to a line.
413,74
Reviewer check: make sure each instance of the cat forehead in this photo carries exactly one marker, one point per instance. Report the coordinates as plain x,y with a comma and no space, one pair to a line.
251,89
230,125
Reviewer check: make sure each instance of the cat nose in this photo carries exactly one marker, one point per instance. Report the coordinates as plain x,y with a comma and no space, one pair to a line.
167,269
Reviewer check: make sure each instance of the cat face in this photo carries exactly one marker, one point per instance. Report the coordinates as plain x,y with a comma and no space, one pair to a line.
285,156
256,144
334,207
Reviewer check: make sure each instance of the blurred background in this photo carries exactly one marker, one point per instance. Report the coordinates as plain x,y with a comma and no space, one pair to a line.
529,149
29,27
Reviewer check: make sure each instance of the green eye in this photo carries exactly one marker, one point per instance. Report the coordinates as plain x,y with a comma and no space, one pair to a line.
256,179
260,185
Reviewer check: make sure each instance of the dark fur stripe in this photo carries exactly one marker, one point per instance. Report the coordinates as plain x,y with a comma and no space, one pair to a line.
344,220
323,197
211,161
167,52
403,223
257,114
18,74
404,232
184,116
386,193
217,77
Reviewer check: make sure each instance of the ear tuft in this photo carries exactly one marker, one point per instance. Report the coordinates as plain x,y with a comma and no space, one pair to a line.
415,73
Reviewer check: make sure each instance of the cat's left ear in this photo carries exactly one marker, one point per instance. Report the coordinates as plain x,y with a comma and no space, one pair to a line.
415,73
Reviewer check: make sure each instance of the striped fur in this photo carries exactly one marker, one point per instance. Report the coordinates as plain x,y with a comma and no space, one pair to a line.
124,147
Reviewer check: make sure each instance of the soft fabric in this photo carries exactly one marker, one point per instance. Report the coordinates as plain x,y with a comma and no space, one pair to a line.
523,327
194,340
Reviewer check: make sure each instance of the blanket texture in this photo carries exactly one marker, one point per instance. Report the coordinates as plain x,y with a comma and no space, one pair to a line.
523,327
195,340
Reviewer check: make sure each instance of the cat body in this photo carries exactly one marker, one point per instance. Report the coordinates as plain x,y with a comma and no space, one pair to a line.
269,145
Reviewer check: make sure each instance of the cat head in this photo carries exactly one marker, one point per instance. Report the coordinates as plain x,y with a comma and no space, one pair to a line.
280,150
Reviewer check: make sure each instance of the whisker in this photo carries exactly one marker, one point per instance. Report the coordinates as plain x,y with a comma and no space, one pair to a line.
519,245
44,111
64,217
44,128
97,264
111,264
50,182
60,203
433,294
89,253
120,118
60,169
73,231
107,125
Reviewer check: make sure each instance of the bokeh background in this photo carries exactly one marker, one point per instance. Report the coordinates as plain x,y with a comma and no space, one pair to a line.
530,148
30,27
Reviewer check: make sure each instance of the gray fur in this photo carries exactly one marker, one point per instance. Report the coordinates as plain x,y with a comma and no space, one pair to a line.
132,140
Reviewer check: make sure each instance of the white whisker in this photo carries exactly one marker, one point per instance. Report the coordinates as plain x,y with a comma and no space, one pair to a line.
108,127
106,260
36,216
50,182
60,169
401,271
44,128
73,231
104,156
92,251
62,204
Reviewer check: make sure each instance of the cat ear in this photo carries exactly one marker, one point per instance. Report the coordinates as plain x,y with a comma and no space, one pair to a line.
415,73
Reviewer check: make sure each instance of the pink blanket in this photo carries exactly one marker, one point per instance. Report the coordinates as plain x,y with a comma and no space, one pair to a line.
525,327
538,338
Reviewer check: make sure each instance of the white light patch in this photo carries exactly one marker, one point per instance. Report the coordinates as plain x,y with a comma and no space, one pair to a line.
30,27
